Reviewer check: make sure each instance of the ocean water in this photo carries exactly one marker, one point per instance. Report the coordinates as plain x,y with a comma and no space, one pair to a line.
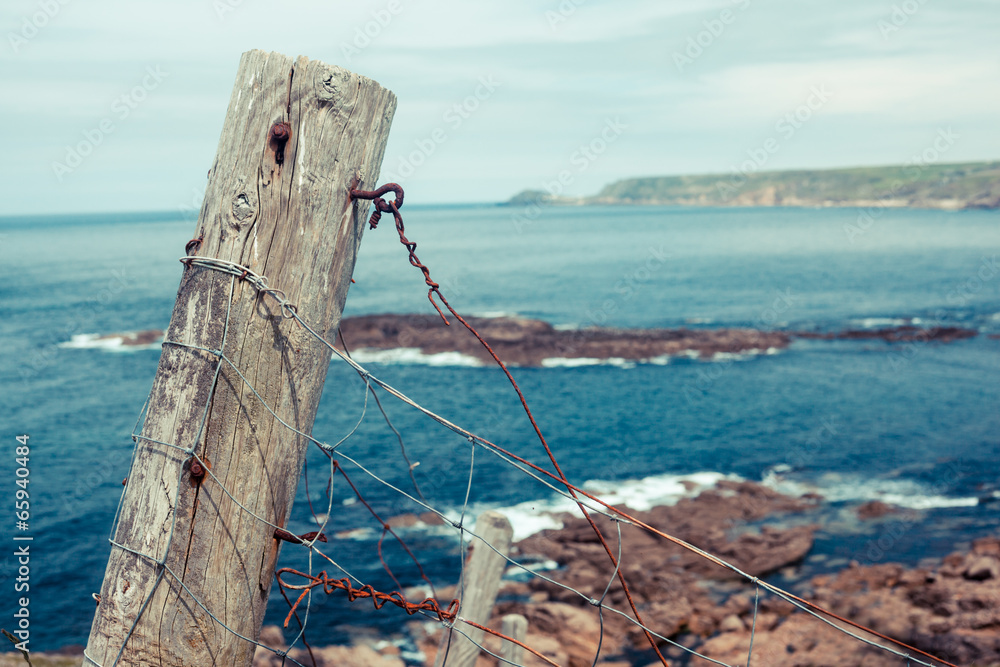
914,424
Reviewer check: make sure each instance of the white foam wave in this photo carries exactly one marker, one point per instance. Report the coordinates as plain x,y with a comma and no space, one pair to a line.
876,322
745,355
836,487
576,362
492,314
93,341
533,516
661,360
412,355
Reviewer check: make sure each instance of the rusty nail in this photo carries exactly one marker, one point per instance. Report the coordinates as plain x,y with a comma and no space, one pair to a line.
125,481
280,131
279,135
197,471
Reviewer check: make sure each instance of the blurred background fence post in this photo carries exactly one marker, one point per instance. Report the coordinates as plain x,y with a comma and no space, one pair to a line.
478,592
514,626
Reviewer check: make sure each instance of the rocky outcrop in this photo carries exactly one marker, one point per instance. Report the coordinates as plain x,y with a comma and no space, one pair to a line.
900,334
951,611
525,342
135,338
667,582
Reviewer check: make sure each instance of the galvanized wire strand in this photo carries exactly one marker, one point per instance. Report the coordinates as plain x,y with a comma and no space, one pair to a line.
364,373
618,512
795,601
457,429
539,575
250,386
161,562
753,627
288,311
489,652
166,569
461,542
600,603
399,436
131,464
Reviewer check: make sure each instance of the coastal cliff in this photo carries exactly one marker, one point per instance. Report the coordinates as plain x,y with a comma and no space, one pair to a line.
971,185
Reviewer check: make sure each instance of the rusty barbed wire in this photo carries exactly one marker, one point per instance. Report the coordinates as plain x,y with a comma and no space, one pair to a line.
366,591
382,206
435,288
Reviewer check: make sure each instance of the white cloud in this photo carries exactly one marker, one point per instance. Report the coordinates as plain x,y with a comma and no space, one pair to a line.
559,82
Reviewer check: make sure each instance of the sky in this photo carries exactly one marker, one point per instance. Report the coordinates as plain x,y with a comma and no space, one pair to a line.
114,105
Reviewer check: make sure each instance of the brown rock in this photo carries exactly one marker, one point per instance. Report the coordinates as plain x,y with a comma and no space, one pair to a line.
874,509
901,334
667,581
731,623
271,636
431,519
347,656
982,567
403,521
136,338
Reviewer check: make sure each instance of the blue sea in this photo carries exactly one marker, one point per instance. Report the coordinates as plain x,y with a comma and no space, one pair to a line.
915,424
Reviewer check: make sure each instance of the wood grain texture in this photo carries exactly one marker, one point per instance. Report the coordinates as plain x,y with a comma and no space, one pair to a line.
292,221
478,592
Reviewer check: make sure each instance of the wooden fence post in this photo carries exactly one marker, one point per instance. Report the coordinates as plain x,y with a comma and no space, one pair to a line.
297,136
514,626
483,572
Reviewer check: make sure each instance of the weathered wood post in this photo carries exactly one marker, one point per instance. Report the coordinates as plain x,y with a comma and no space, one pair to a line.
297,136
478,592
514,626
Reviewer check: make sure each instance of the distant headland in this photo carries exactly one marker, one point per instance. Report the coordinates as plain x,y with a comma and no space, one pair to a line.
970,185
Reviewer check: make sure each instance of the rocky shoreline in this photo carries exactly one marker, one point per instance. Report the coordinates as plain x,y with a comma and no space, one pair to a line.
950,609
